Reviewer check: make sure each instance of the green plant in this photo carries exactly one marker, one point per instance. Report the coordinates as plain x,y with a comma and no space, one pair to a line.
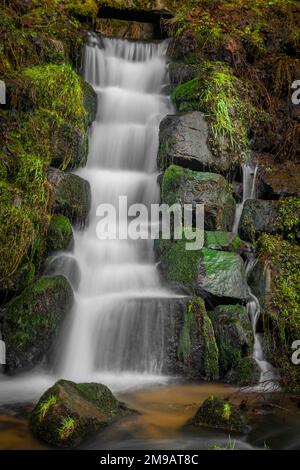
45,406
67,428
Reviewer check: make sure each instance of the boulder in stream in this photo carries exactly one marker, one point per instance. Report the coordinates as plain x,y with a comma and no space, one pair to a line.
220,414
68,412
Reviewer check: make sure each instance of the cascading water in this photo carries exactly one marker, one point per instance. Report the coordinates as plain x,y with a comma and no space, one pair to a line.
268,377
116,328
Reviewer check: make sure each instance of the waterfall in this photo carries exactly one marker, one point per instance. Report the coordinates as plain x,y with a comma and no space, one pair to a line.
116,327
268,376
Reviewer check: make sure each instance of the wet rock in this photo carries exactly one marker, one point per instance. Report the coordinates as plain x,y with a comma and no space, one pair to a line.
184,140
60,234
69,412
258,216
217,275
278,179
31,320
234,335
71,195
220,414
185,186
69,147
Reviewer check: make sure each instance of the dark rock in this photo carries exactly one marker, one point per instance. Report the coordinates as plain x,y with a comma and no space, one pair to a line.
185,186
258,216
69,147
220,414
66,265
234,335
278,179
31,321
60,234
69,412
184,140
71,195
180,72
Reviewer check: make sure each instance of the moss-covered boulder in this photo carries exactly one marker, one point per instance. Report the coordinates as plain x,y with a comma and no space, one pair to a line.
258,216
278,179
246,373
218,275
69,147
197,348
183,140
60,234
31,320
220,414
234,335
71,195
183,186
69,412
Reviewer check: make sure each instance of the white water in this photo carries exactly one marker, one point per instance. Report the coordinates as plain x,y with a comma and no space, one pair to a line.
267,381
116,332
249,184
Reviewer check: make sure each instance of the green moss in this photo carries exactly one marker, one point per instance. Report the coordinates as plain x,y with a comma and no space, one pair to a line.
181,265
58,89
288,220
59,233
211,352
246,372
224,99
197,342
282,315
220,240
67,428
29,315
83,9
44,406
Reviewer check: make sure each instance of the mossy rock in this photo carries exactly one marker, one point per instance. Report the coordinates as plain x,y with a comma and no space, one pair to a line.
197,348
216,274
83,9
20,279
258,216
246,373
68,412
180,72
183,186
69,147
71,195
220,414
221,240
31,320
60,234
234,335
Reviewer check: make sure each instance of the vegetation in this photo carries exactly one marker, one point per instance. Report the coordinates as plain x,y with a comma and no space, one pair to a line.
44,406
67,428
281,314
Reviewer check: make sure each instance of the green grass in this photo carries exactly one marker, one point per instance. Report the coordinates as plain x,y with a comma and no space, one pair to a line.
45,406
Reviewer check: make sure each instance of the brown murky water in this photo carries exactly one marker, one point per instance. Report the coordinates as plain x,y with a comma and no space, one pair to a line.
159,424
